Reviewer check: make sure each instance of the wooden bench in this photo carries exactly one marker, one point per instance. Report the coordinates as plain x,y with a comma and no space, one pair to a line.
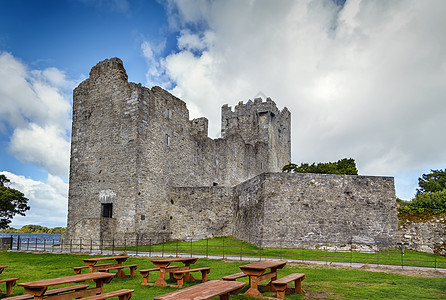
203,291
179,275
124,294
52,292
233,277
145,273
120,271
10,282
280,285
78,270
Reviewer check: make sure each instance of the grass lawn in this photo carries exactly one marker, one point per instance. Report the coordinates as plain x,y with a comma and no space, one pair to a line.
229,246
325,283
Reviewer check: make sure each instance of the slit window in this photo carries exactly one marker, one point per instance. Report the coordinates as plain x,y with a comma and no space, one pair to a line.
167,140
107,210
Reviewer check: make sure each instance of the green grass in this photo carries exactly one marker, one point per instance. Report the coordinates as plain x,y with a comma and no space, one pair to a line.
320,282
230,246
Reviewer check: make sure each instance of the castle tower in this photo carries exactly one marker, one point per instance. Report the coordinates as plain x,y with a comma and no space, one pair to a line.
261,122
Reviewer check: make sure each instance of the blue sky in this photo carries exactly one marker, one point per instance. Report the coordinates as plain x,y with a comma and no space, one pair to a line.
362,79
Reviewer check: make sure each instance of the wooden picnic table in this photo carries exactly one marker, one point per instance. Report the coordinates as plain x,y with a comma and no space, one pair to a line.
38,288
256,271
2,268
207,290
162,264
91,263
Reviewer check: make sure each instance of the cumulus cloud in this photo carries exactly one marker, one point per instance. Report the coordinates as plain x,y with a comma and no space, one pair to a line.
35,114
47,199
365,80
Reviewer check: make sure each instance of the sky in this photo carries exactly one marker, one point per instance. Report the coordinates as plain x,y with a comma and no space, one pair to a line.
362,79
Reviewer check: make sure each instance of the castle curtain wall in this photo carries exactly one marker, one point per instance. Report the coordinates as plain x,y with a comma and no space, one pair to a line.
316,209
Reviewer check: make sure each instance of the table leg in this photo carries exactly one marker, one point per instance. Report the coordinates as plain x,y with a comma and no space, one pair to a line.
162,281
224,296
100,285
188,276
253,290
269,286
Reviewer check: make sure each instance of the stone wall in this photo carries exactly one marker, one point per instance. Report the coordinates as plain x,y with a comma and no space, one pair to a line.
316,209
200,212
425,235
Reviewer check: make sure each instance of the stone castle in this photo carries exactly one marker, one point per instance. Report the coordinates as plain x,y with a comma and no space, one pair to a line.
141,169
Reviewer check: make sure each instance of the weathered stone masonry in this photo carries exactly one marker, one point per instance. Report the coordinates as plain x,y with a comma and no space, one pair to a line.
141,168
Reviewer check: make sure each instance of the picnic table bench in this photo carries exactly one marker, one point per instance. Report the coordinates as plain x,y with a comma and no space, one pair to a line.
256,273
234,276
179,275
51,292
145,274
163,265
91,264
207,290
280,285
38,288
123,294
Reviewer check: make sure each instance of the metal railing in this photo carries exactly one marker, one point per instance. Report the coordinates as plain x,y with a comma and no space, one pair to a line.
230,248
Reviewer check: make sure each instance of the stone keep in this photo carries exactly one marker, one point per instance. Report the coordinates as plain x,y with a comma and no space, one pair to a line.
141,169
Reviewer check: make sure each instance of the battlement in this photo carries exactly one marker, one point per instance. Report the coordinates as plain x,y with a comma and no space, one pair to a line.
256,106
109,68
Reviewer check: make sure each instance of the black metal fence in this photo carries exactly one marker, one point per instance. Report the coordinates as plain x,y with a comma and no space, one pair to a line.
230,248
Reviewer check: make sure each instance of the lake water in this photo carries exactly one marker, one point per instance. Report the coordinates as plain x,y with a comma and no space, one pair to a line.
32,237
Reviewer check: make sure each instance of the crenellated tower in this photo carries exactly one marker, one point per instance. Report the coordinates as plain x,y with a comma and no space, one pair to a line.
261,122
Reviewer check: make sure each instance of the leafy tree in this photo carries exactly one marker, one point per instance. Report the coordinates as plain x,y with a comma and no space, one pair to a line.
343,166
432,182
12,202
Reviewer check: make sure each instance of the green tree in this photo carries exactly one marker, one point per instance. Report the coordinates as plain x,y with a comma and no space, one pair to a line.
432,182
343,166
12,202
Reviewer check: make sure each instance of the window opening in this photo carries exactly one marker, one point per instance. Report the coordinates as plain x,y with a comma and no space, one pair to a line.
107,210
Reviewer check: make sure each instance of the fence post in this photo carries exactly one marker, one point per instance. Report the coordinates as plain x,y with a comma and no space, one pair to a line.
101,245
326,255
223,248
71,244
207,247
11,242
52,249
351,254
113,246
150,247
91,245
35,246
44,244
435,252
136,244
162,255
280,255
190,247
125,245
176,254
377,256
241,249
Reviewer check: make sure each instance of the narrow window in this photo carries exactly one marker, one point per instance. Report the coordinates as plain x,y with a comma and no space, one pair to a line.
107,210
167,140
278,162
279,134
168,114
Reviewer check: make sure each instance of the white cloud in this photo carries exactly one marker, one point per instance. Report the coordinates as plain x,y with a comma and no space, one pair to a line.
49,147
367,81
36,108
47,200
